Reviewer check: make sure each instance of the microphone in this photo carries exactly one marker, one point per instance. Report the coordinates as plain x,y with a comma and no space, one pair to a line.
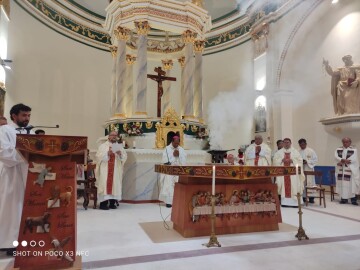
167,163
30,127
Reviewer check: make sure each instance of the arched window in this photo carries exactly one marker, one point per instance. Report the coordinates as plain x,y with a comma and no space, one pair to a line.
260,114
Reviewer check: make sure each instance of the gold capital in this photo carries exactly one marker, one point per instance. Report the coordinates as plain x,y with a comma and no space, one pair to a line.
142,27
130,59
199,45
122,33
188,36
181,60
199,3
113,50
167,64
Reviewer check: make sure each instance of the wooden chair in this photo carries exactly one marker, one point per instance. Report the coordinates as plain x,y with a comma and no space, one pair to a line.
319,189
89,192
332,184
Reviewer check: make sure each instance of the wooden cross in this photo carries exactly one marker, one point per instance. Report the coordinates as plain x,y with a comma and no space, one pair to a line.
159,78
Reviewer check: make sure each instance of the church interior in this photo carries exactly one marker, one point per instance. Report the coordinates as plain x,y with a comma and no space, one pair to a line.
215,73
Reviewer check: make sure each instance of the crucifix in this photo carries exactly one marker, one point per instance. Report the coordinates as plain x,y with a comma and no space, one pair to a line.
159,78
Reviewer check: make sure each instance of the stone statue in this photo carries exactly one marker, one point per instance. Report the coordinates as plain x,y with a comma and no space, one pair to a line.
345,88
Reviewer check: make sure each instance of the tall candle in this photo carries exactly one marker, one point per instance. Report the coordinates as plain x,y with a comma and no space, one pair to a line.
213,180
124,144
134,144
297,176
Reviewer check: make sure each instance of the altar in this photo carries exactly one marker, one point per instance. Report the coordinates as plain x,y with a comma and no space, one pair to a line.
140,181
246,200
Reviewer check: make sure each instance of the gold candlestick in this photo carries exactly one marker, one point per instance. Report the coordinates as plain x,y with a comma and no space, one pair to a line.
213,242
301,232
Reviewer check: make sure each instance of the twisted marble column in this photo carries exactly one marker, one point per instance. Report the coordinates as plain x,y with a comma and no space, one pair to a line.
130,60
181,61
122,35
188,37
141,77
167,65
113,50
198,80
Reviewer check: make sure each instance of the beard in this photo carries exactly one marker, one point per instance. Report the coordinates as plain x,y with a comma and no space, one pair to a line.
22,124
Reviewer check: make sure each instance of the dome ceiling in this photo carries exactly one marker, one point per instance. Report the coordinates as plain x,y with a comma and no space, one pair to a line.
83,20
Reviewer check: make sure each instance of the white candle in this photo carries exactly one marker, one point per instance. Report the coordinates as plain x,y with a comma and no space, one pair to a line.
124,144
213,180
134,144
297,176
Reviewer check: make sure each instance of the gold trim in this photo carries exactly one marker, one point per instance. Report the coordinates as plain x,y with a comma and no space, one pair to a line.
142,27
130,59
122,115
170,122
167,64
188,36
189,117
141,113
181,61
122,33
149,125
199,45
113,50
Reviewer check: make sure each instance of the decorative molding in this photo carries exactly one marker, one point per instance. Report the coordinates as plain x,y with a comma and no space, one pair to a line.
70,19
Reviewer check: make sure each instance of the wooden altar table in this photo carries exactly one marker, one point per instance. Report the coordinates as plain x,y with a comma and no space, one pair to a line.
246,198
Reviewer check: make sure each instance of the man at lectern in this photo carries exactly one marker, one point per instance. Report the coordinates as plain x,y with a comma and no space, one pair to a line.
173,154
13,174
110,159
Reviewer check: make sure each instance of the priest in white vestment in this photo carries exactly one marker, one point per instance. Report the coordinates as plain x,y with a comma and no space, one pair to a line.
347,172
289,185
110,159
13,174
258,153
173,154
310,160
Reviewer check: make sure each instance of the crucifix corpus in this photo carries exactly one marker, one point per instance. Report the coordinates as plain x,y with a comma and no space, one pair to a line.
159,78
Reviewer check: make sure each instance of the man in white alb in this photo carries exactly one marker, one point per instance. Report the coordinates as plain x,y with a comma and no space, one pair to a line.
289,185
258,153
310,160
347,172
110,159
13,174
173,154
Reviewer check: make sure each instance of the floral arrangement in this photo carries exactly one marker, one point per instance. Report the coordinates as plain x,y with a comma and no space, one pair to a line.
133,130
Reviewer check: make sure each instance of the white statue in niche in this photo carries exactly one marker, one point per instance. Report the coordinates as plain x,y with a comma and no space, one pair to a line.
345,87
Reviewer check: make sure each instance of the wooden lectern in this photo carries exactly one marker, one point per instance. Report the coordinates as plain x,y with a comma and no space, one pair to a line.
246,200
48,222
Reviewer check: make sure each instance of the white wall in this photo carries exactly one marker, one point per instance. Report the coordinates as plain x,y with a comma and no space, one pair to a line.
64,82
330,32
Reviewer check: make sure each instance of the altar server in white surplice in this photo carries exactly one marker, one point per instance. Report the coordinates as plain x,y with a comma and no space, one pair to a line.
289,185
110,159
173,154
310,160
13,174
347,172
258,153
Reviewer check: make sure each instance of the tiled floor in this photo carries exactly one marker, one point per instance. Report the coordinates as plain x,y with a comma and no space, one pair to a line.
133,237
